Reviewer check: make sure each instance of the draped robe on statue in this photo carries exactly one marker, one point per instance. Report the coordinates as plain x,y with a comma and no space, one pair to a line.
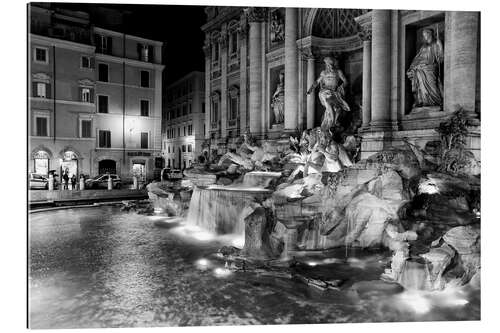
424,74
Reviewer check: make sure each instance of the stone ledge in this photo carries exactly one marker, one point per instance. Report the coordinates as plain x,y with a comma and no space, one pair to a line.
41,196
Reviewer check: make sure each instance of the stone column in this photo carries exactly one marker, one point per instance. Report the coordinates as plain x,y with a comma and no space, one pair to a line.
243,74
311,98
206,49
381,70
461,50
291,69
256,16
367,82
223,82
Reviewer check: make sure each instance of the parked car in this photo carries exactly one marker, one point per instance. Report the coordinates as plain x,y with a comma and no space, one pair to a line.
171,174
38,182
101,181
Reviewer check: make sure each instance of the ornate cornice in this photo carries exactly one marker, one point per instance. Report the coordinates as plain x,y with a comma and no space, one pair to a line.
41,77
365,34
256,14
86,82
365,22
310,52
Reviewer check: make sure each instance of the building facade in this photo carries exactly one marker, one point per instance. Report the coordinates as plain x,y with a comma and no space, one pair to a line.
260,63
183,123
94,98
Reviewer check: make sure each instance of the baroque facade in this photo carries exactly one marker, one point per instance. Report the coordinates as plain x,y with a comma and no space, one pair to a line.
260,63
95,97
183,121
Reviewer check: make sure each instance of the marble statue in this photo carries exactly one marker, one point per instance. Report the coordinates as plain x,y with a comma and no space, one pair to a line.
424,72
277,28
249,155
278,101
331,82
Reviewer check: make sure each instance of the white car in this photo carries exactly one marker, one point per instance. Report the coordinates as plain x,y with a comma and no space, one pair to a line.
38,182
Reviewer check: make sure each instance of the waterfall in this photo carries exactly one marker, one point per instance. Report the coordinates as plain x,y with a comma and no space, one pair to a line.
259,178
415,275
221,210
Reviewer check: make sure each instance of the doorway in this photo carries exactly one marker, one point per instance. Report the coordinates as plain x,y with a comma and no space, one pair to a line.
139,170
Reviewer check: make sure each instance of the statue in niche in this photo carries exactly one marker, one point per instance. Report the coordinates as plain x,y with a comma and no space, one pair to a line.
278,100
277,28
424,72
331,95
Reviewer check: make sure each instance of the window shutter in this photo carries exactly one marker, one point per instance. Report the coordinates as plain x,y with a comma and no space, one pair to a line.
92,62
91,95
110,45
48,90
139,47
34,89
151,53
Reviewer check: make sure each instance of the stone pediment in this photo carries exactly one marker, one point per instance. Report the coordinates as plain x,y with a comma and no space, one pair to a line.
41,77
86,82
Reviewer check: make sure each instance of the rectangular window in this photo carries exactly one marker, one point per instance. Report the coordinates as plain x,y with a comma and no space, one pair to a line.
190,148
103,73
41,55
86,95
178,131
41,126
41,90
202,107
184,130
145,79
144,140
144,108
85,62
183,148
102,104
104,139
86,128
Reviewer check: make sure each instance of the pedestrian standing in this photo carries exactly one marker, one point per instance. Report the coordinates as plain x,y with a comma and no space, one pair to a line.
65,179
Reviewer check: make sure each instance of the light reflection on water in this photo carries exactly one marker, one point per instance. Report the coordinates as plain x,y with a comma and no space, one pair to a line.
100,267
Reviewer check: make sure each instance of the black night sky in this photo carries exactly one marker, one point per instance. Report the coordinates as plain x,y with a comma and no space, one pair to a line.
178,26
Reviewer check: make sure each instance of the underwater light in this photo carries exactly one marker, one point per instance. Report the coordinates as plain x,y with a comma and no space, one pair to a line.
222,272
202,263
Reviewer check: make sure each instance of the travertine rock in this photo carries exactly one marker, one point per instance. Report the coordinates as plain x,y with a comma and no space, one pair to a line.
257,242
464,239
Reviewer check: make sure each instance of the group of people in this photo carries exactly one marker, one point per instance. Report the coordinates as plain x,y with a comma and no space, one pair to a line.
68,178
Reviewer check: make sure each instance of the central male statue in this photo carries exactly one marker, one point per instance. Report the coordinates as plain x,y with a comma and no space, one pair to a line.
331,93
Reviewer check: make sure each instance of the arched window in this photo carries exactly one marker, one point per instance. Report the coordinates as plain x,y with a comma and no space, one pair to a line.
336,23
41,162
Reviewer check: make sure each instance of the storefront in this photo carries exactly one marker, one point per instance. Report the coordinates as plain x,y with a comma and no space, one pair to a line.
69,163
139,169
107,166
